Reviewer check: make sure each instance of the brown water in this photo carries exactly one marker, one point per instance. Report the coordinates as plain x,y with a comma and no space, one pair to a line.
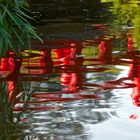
83,82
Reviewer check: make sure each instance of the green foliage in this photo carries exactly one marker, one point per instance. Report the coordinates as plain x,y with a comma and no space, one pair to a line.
14,26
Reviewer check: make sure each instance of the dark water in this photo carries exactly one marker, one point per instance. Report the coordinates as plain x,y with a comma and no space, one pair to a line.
83,82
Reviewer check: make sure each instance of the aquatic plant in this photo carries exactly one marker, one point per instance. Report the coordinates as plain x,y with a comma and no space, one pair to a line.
15,27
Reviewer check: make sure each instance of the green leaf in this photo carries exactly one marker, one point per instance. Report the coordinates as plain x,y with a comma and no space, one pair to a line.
14,25
1,44
18,36
12,16
18,3
22,13
22,18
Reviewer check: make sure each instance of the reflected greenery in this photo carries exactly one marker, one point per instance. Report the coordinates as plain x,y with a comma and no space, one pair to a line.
127,15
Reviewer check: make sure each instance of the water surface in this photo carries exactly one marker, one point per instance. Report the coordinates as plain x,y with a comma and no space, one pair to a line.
83,80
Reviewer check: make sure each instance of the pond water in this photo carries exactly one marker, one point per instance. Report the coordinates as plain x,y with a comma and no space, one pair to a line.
83,81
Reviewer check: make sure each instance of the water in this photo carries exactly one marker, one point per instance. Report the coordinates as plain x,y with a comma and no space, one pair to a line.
82,83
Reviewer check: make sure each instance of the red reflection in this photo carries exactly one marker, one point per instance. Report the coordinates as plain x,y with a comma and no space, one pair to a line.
10,68
13,80
134,72
105,53
65,62
72,81
130,43
7,64
6,68
37,62
42,63
69,80
133,116
66,55
118,84
136,91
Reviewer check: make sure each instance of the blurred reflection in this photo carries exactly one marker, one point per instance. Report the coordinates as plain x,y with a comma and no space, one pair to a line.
72,11
36,62
62,107
56,78
10,87
66,104
6,66
105,53
72,84
134,71
66,56
127,16
9,68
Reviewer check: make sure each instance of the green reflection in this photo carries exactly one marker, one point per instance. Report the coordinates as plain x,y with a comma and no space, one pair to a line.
127,17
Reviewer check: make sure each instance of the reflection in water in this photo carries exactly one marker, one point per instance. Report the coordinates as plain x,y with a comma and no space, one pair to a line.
134,71
67,97
64,101
75,81
69,11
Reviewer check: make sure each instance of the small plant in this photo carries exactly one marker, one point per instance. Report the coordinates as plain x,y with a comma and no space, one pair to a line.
15,30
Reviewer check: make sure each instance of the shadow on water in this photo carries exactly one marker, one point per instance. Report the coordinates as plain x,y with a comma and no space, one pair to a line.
82,78
69,11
